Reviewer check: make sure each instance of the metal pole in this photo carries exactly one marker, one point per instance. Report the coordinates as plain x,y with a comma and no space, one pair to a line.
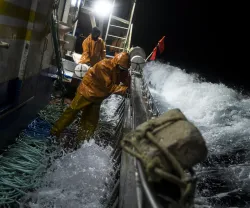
138,187
74,31
79,5
92,20
130,37
115,205
130,20
100,25
110,17
149,56
145,186
66,11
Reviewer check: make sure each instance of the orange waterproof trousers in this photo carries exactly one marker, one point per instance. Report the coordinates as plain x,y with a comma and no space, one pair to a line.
89,119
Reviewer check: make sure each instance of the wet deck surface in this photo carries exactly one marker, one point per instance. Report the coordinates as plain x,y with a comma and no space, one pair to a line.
73,178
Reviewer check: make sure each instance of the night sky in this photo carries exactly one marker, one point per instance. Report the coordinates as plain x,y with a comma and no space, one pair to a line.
207,37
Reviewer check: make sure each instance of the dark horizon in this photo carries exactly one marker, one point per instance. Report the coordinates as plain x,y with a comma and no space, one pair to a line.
205,37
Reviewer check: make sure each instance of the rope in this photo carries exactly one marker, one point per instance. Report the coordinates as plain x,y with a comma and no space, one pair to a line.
187,187
52,112
21,168
24,163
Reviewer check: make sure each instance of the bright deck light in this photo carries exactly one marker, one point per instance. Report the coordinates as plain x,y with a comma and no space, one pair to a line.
73,2
102,8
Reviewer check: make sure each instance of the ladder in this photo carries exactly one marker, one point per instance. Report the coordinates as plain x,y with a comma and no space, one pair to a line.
128,29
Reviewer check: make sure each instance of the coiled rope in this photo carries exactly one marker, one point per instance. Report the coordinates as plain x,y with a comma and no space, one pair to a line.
24,163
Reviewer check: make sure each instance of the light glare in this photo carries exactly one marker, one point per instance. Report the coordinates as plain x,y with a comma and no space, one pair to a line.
102,8
73,2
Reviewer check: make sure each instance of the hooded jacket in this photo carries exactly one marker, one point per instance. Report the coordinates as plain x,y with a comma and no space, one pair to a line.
102,80
93,51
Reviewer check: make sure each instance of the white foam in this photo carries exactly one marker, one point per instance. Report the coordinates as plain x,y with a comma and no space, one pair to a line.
76,180
222,115
108,109
206,104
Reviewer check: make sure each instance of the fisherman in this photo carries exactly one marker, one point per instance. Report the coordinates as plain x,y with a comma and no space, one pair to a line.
100,81
94,49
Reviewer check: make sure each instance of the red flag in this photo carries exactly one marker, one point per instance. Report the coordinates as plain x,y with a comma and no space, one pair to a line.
153,56
159,49
161,45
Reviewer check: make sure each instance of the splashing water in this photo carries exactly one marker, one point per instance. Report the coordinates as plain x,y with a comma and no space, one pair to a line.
108,109
222,115
75,180
78,179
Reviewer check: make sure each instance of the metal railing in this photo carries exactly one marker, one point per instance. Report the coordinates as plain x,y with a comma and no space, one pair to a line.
152,111
151,106
142,187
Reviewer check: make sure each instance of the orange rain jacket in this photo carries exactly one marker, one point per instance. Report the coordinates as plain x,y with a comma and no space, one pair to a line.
103,80
93,51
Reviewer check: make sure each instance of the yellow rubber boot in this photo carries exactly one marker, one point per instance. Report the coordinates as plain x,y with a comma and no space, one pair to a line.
89,121
69,115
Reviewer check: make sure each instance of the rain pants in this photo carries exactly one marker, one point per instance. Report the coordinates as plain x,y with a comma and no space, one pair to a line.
99,82
93,51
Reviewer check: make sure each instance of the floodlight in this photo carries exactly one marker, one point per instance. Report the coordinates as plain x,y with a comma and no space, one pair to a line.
102,8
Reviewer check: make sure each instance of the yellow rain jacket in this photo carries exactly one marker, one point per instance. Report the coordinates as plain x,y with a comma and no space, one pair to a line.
93,51
98,83
102,80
